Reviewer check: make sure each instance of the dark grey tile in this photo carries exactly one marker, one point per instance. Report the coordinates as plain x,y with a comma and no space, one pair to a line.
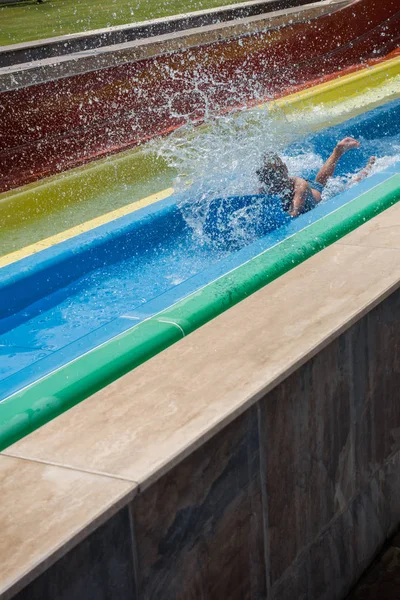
368,525
382,580
309,455
294,583
389,480
279,429
199,529
326,442
331,560
99,568
384,375
363,414
324,569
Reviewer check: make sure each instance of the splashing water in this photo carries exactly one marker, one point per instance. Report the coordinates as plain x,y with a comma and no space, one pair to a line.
387,153
220,159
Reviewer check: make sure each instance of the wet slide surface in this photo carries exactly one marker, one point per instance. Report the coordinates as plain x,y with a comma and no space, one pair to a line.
60,303
55,205
56,124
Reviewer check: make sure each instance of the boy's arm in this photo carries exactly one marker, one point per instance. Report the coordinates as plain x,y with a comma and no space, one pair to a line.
299,198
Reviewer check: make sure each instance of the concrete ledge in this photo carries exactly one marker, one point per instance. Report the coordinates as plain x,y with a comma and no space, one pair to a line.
69,506
88,40
264,445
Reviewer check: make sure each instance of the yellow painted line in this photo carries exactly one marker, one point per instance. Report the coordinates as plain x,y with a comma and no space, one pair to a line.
388,68
331,91
87,226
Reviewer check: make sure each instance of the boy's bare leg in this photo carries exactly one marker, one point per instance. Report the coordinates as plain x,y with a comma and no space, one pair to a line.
366,170
328,168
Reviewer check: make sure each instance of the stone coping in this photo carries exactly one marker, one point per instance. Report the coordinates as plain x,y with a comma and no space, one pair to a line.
33,73
47,510
97,38
128,435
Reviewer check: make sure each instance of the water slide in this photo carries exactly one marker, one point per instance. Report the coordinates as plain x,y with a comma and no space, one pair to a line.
78,314
106,264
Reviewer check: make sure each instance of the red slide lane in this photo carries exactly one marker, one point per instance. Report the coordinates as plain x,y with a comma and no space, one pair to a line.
56,125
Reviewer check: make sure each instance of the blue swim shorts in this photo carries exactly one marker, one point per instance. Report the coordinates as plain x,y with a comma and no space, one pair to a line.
315,185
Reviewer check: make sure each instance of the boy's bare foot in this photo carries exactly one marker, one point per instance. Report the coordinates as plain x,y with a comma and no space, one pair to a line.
347,144
369,165
365,172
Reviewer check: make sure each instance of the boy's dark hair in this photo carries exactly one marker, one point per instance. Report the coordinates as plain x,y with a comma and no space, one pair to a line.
268,175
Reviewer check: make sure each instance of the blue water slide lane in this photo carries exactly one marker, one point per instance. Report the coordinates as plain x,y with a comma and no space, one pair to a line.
46,273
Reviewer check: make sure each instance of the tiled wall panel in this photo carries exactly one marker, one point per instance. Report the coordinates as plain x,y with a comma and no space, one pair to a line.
199,529
99,568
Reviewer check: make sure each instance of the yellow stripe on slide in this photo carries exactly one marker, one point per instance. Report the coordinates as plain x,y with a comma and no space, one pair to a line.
92,224
336,90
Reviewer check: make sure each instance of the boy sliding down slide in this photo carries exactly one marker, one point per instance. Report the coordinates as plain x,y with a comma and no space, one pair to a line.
299,195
